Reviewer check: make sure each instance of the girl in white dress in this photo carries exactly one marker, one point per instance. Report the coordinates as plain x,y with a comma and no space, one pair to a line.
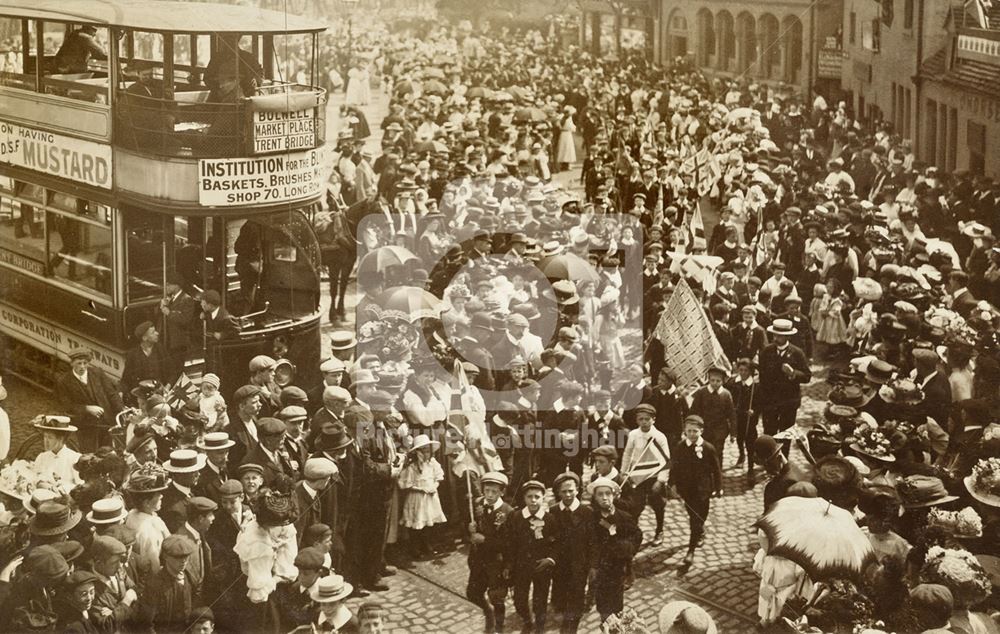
419,481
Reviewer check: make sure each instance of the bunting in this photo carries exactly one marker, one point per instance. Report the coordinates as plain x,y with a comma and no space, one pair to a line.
651,461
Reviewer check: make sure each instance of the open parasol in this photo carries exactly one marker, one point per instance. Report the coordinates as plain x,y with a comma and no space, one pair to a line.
408,302
530,114
403,87
432,71
521,93
568,266
382,258
480,92
430,146
739,113
503,96
434,87
822,538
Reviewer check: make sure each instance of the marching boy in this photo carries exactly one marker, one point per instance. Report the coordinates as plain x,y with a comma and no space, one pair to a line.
570,522
614,540
487,587
695,476
649,490
528,556
714,404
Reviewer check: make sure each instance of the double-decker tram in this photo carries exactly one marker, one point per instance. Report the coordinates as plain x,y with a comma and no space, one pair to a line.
146,146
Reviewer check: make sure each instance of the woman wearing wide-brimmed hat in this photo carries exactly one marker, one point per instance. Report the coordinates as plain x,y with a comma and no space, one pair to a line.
57,458
144,488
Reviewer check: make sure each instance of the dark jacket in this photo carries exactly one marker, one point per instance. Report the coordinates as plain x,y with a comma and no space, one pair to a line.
610,554
694,477
780,389
100,390
180,323
524,546
165,604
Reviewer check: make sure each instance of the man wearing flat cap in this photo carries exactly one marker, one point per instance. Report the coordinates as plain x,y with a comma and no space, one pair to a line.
312,498
91,399
146,360
270,452
166,600
200,516
115,601
242,427
29,605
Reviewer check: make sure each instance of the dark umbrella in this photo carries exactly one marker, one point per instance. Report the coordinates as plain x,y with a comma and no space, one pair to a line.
531,114
479,91
434,87
568,266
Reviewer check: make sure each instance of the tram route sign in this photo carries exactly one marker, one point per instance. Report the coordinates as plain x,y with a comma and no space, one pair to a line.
262,180
57,340
66,157
283,131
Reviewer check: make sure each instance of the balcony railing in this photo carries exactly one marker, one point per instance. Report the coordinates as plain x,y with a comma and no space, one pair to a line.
280,117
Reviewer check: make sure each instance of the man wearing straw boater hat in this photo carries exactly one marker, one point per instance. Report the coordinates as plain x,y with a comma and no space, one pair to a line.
184,468
91,398
216,446
784,369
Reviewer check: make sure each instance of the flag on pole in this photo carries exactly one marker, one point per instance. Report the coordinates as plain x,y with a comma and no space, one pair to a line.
652,460
696,226
697,267
469,444
689,344
183,391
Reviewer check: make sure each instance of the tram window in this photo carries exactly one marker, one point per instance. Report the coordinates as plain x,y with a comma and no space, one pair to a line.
22,231
293,59
144,246
80,253
76,61
12,70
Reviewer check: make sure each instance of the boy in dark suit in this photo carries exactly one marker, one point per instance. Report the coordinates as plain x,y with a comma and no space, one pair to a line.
571,521
746,396
218,324
614,538
714,404
529,541
695,476
487,587
671,408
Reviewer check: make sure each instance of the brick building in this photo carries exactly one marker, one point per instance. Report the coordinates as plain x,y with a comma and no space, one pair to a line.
769,41
932,69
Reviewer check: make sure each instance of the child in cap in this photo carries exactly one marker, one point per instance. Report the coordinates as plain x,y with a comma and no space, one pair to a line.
746,396
645,488
418,480
695,475
487,587
202,621
211,404
571,522
528,557
614,538
714,404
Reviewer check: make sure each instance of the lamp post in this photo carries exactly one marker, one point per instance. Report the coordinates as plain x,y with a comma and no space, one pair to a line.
349,7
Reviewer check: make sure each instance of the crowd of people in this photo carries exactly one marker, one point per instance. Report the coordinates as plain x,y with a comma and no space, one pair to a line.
509,343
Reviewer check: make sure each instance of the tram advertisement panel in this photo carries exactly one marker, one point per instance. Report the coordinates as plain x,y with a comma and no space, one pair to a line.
55,339
261,180
75,159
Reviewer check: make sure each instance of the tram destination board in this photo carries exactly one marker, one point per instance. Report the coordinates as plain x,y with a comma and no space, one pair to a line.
261,180
283,131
